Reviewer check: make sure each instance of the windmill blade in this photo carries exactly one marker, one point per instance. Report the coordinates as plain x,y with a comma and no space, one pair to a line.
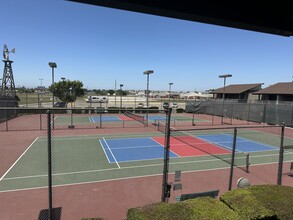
5,47
13,50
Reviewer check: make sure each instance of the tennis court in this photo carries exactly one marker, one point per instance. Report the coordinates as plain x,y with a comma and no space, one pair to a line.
96,158
243,144
112,118
124,164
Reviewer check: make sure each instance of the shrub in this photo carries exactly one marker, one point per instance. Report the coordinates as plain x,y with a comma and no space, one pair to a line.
261,202
199,208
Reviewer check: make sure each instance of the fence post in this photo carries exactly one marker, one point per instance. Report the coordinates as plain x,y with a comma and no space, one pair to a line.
71,126
40,119
232,114
7,117
291,122
193,124
50,217
232,158
281,156
165,186
264,113
213,114
248,115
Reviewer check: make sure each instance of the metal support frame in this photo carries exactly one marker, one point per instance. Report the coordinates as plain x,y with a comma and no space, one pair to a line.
166,188
8,86
281,156
233,158
50,213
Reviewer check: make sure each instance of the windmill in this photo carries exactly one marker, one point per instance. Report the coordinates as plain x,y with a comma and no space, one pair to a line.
8,86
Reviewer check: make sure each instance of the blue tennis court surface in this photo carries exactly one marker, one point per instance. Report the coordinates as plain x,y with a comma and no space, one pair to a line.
156,117
133,149
242,144
95,119
103,118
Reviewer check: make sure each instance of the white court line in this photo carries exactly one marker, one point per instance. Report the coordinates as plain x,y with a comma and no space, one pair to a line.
104,151
111,169
122,178
53,120
111,153
18,159
102,181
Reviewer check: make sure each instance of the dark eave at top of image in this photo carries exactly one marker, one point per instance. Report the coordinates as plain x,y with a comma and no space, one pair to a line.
266,17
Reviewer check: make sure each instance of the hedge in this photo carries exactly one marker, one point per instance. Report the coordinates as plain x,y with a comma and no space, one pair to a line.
199,208
261,202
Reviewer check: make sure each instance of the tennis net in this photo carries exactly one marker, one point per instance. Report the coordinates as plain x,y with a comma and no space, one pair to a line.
161,127
241,159
136,117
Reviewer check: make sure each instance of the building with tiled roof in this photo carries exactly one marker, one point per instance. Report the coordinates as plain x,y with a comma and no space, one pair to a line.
237,91
282,91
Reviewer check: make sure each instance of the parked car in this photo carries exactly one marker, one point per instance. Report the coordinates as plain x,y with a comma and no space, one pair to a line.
140,105
166,105
60,104
174,105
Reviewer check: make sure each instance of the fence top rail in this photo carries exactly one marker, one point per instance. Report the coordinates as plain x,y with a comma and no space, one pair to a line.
224,128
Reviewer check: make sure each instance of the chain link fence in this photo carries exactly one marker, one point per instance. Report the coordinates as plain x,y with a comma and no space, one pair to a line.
233,112
85,163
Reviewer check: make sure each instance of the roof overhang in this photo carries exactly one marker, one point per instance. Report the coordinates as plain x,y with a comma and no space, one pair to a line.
266,17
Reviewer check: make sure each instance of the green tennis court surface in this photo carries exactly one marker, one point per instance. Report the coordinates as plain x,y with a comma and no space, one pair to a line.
110,118
83,159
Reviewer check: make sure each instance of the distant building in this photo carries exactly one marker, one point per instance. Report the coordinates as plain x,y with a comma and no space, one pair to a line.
282,91
195,96
244,92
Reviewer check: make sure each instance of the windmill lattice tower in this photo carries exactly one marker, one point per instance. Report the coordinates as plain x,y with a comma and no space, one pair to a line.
8,86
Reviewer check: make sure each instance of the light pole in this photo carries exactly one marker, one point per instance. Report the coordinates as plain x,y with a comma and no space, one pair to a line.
71,114
121,85
41,89
223,96
147,72
53,65
170,84
1,86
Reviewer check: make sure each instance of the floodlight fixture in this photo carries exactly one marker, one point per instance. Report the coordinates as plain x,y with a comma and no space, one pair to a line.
225,76
148,72
52,65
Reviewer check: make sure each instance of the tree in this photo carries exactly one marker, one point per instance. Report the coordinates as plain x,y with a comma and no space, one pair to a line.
68,91
111,91
101,92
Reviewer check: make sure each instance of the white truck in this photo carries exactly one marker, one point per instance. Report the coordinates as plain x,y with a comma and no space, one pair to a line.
97,99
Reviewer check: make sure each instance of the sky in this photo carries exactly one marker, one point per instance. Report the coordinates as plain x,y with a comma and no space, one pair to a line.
100,46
